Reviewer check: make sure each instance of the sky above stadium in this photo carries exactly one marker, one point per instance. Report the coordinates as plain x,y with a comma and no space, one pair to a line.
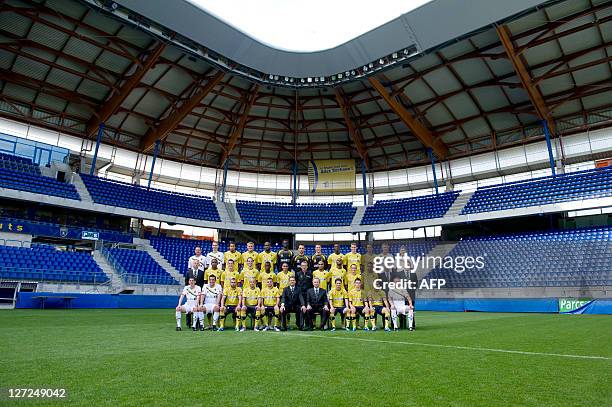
306,26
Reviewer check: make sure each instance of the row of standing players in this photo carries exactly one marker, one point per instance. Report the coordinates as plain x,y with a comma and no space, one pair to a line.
258,269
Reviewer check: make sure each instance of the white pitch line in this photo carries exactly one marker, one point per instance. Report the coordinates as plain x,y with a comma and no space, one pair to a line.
435,345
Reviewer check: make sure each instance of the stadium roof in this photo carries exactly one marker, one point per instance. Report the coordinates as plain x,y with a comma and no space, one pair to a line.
68,65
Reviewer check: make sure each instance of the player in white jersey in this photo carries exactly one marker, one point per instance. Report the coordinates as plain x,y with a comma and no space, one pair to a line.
401,304
191,293
210,299
215,254
197,255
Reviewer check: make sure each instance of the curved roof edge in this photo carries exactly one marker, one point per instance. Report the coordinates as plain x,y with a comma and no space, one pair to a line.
426,27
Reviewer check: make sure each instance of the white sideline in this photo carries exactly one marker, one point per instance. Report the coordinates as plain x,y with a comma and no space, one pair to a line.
435,345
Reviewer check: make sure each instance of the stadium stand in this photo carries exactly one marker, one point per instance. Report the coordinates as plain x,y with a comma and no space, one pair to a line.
15,163
141,264
588,184
45,262
51,229
307,215
19,173
116,193
409,209
569,258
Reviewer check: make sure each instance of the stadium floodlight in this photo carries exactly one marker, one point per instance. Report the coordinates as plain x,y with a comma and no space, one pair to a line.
316,79
309,80
353,73
394,55
347,73
275,77
381,61
365,67
271,76
339,76
302,80
291,80
286,79
333,77
322,78
371,65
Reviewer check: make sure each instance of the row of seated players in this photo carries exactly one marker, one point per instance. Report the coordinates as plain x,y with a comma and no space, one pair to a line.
303,296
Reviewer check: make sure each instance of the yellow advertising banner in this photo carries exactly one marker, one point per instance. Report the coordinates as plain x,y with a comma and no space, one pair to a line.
331,175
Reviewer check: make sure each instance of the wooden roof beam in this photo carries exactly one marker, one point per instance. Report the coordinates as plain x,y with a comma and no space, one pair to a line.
352,130
421,132
239,128
110,106
168,124
520,67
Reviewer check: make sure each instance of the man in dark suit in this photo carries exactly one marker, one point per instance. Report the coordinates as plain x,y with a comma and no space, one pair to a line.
292,301
195,272
316,303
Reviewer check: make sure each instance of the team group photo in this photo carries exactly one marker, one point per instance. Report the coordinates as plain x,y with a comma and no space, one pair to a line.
266,288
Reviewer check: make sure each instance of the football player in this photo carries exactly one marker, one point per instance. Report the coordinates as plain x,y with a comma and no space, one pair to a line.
230,304
338,304
210,299
359,305
270,304
191,293
251,304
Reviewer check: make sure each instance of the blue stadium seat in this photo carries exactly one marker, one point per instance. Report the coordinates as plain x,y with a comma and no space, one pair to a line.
124,195
409,209
299,215
21,174
589,184
46,263
141,264
569,258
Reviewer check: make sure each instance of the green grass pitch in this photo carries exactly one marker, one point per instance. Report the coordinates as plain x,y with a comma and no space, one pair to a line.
135,357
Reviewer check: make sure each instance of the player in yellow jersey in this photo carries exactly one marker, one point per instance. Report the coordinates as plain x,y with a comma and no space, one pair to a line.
353,258
379,305
231,271
267,255
233,254
283,277
270,304
336,271
265,274
351,276
359,305
213,270
251,304
321,274
250,253
248,271
230,303
338,303
332,258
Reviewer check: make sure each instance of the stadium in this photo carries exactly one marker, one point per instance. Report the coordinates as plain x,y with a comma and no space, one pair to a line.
418,213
